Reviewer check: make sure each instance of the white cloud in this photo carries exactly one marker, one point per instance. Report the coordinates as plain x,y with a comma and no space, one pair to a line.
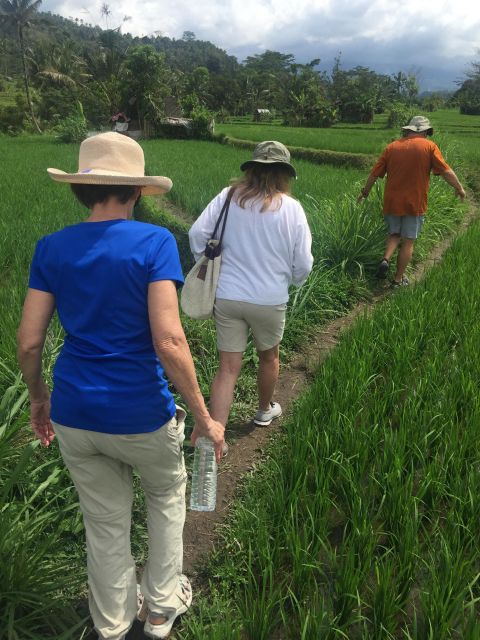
374,32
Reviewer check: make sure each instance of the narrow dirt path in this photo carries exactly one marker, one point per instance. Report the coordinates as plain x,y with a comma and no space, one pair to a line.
170,207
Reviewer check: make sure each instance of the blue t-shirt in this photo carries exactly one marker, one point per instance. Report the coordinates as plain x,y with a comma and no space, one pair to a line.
107,377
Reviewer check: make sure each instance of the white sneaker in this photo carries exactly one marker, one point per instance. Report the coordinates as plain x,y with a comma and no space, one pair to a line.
184,594
264,418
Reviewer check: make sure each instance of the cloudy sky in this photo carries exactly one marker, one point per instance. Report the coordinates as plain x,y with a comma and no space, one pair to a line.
432,38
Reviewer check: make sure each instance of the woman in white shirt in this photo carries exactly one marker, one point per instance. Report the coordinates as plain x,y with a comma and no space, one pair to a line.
266,248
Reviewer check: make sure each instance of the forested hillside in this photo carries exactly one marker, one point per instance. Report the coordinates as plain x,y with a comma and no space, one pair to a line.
53,68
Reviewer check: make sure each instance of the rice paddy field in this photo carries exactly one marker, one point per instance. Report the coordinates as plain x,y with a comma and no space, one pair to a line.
335,139
198,168
362,523
369,139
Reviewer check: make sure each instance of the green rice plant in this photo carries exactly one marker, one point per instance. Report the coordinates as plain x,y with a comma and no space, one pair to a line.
260,606
443,600
209,623
308,617
386,604
348,236
33,571
11,404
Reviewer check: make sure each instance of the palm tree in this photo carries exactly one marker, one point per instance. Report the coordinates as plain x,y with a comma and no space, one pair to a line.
19,12
59,64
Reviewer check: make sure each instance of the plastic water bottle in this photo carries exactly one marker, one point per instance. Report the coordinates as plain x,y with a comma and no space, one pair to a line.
204,477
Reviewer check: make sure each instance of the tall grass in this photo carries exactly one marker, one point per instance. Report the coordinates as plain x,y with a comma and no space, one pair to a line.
35,568
348,235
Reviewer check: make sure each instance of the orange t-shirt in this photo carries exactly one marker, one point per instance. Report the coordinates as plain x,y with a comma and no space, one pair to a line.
408,163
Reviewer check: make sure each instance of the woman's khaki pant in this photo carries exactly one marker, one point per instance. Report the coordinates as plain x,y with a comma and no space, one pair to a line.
101,467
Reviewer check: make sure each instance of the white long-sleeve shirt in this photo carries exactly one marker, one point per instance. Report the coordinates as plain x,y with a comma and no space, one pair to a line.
262,252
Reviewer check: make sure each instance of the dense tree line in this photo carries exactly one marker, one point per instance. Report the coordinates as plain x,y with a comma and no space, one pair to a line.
64,63
468,96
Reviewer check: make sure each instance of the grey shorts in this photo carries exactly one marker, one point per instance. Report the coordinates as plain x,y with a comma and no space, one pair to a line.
405,226
233,320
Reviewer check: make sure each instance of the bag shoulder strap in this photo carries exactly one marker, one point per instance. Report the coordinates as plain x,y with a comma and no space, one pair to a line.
223,215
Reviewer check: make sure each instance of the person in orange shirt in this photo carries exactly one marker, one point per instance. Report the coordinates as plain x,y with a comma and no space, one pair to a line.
407,162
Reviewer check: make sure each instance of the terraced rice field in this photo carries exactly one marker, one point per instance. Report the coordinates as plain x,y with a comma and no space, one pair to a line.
335,139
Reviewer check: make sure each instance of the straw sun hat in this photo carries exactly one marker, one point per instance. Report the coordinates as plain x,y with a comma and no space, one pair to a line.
112,158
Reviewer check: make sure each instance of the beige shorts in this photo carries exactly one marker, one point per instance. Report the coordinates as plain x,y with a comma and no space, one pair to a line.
233,319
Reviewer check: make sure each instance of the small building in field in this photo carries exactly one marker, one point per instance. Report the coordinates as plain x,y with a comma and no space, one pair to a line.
261,114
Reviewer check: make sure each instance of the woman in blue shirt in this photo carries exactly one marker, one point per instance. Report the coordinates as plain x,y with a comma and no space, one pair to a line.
113,282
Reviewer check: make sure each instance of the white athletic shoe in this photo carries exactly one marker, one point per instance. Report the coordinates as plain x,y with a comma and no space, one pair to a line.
264,418
184,594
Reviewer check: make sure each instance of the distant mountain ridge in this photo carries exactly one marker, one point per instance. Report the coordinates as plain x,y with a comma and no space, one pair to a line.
183,54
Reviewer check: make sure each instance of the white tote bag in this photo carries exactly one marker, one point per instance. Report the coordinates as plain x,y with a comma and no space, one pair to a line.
198,292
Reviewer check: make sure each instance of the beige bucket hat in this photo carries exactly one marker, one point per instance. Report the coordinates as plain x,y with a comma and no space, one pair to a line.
112,158
270,152
419,124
